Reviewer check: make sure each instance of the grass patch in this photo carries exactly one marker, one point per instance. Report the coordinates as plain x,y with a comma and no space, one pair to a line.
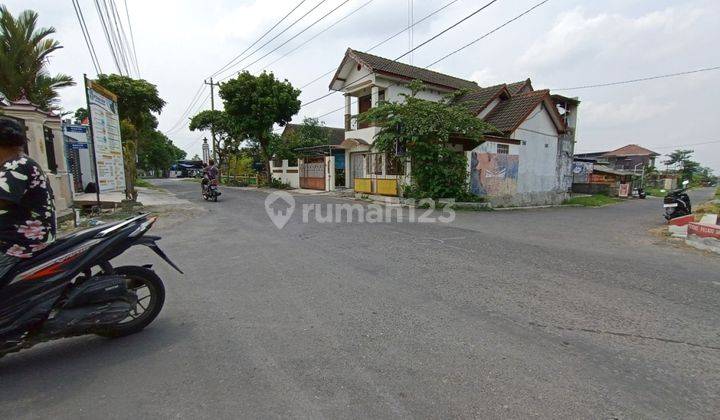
596,200
656,192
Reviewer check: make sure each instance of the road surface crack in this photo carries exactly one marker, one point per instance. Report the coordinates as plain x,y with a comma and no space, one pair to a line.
624,334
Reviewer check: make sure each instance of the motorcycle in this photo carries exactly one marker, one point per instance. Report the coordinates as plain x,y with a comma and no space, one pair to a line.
210,191
677,203
72,289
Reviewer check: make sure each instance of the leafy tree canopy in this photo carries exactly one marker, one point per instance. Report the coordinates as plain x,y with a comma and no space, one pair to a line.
138,99
24,52
310,133
226,133
256,103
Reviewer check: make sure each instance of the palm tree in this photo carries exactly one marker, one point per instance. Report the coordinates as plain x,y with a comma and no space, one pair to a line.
24,52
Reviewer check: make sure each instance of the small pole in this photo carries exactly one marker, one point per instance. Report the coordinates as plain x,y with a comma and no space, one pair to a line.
92,141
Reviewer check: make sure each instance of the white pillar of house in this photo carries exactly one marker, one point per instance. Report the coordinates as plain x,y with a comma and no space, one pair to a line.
375,96
329,173
347,112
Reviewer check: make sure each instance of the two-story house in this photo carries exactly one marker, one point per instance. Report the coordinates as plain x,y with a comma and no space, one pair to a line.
529,162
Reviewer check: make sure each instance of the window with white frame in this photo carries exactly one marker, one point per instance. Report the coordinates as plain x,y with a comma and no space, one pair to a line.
503,149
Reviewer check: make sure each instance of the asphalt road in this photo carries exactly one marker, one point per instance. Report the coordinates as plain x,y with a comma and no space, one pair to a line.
554,313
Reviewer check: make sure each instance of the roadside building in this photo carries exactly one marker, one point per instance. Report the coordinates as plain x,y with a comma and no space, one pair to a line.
630,158
320,167
528,162
45,145
591,177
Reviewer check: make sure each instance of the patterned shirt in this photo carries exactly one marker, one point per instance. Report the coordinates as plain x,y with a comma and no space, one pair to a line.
27,212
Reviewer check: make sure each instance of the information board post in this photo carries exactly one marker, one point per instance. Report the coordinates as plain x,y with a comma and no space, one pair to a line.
92,142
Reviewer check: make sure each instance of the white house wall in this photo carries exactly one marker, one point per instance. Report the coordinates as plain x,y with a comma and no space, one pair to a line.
538,154
394,93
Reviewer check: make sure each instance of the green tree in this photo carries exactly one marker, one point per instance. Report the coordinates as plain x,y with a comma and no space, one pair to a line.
255,104
424,129
226,133
138,99
25,50
160,153
310,133
79,115
682,158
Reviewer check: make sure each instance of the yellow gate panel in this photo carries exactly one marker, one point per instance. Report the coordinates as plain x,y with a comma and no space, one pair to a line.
387,187
363,185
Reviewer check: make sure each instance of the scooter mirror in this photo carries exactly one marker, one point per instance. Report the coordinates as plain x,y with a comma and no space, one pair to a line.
686,182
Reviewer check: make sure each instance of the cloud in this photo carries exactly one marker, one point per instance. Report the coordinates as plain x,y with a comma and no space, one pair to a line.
579,37
622,112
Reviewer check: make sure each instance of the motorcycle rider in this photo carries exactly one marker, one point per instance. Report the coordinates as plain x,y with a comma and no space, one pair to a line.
27,211
210,173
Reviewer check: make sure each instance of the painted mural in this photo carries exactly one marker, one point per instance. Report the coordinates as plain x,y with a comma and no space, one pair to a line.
493,174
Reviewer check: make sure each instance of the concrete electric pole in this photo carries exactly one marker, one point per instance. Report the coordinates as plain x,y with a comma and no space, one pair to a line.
212,107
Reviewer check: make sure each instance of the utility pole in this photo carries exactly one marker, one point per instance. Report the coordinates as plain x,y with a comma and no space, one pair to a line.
212,107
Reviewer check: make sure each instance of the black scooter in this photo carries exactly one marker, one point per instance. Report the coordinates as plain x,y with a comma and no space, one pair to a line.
72,289
677,203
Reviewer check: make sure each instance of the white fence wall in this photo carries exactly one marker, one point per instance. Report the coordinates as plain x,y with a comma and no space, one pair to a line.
287,174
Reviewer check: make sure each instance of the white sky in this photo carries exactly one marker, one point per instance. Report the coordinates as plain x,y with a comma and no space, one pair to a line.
563,43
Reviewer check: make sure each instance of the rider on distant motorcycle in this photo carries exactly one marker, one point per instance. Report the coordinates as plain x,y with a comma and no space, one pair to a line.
210,173
27,212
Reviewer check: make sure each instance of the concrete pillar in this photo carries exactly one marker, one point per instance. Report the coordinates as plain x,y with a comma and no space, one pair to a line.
329,173
347,112
375,96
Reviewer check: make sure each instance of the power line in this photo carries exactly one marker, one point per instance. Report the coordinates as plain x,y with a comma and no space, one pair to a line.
293,37
318,34
193,101
190,111
86,36
258,40
270,40
488,33
432,38
132,38
115,36
122,36
384,41
685,145
642,79
107,36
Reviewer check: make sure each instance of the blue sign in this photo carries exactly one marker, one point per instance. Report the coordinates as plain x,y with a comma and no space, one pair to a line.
77,146
76,129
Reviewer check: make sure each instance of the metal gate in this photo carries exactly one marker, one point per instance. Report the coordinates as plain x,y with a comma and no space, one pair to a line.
312,174
357,167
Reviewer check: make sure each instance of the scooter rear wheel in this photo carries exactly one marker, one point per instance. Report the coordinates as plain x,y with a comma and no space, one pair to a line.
151,297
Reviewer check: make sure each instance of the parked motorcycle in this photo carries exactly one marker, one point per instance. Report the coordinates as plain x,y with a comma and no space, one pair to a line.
677,203
211,191
72,289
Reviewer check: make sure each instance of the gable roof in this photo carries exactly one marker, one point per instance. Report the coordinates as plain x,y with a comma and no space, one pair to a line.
336,135
480,98
515,88
631,150
509,114
394,68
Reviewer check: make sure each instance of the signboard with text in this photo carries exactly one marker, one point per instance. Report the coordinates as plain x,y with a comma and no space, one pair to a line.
107,144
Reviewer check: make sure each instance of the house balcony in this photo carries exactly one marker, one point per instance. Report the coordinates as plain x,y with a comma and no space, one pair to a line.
365,134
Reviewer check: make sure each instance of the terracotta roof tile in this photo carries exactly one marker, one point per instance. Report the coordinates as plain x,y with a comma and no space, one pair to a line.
510,113
631,150
514,88
412,72
480,98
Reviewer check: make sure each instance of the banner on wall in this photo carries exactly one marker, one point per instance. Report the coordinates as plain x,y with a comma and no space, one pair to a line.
106,140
